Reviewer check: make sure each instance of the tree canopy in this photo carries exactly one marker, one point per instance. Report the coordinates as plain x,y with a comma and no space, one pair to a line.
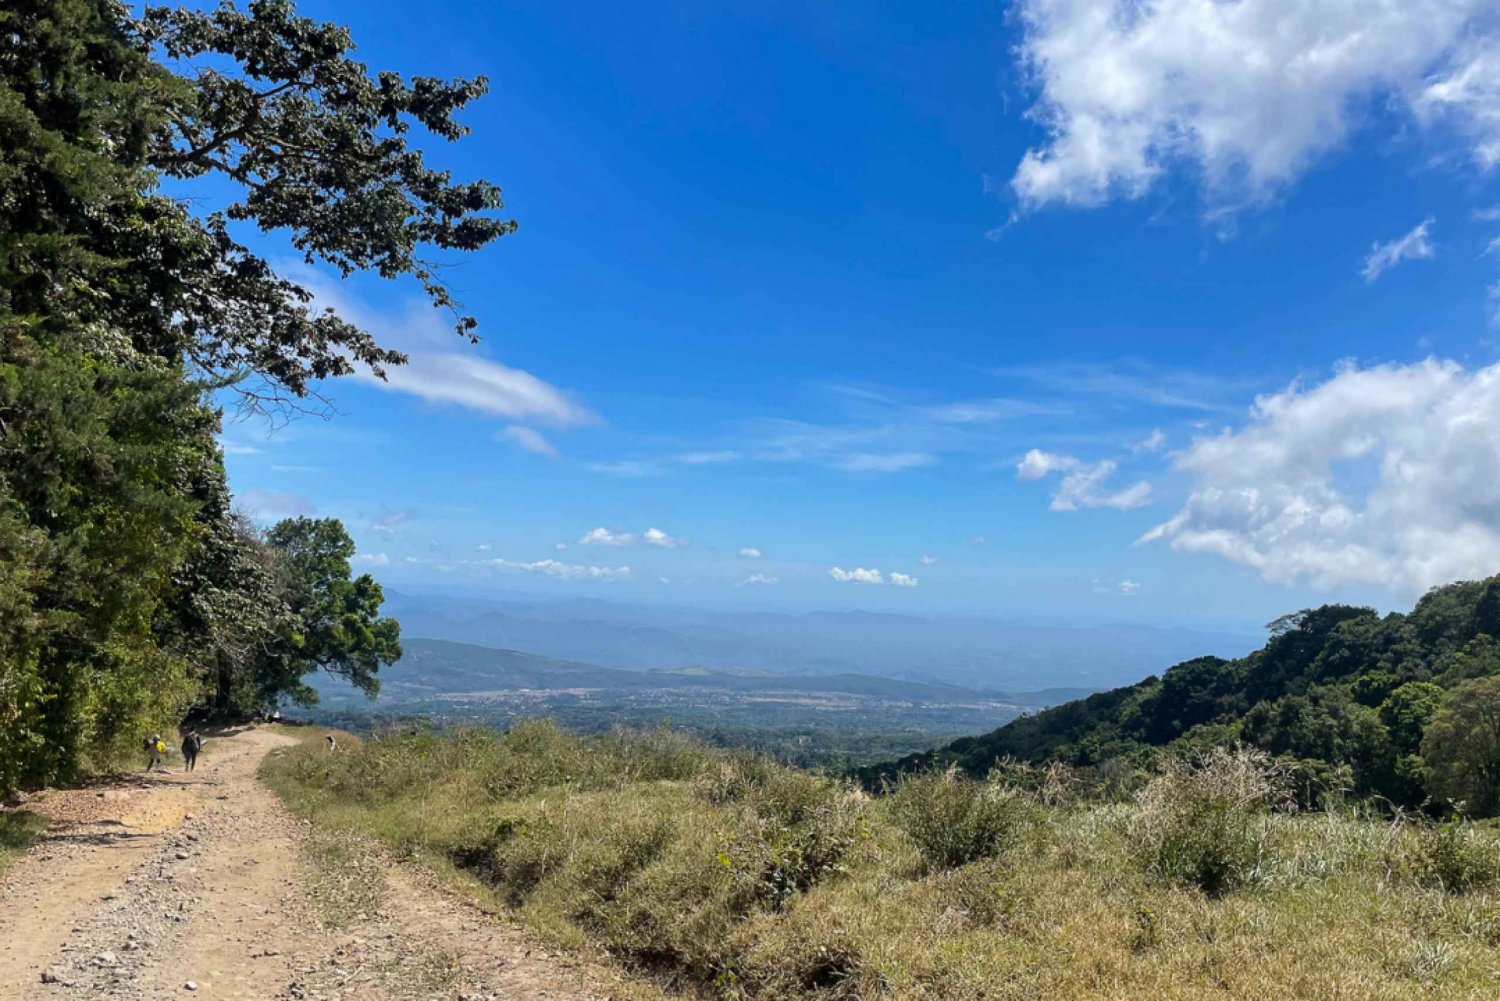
129,588
1404,708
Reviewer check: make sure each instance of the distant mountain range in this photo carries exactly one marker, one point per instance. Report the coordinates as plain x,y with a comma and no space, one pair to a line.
433,668
986,655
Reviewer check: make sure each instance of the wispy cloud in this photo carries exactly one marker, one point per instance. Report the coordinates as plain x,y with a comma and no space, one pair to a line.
1413,246
372,560
1153,442
868,462
750,553
1083,483
528,439
269,504
757,578
709,458
1127,383
563,571
441,372
388,523
626,467
927,561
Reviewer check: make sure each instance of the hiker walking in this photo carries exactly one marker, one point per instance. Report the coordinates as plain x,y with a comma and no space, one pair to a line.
192,743
156,750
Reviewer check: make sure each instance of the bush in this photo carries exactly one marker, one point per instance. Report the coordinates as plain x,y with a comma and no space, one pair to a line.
954,820
1455,856
1207,824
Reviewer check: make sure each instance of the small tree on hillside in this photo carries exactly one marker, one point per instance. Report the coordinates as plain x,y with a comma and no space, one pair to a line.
1461,747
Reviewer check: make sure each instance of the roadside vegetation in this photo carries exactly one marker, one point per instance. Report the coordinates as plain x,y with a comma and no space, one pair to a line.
723,874
18,830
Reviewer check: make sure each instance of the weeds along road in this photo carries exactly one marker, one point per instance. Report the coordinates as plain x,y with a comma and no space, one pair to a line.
201,885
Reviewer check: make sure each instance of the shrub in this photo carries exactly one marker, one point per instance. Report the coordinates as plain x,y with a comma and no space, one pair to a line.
1207,824
954,820
1454,856
797,828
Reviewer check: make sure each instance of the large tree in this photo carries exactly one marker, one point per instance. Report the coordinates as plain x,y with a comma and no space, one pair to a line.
1462,747
335,623
126,588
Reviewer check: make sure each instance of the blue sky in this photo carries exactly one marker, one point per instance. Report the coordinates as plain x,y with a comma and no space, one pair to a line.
980,295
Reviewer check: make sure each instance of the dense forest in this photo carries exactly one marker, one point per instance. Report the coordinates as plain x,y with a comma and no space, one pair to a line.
1403,707
140,156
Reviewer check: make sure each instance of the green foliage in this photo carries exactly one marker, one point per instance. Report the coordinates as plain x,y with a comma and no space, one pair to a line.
1208,824
18,830
1461,747
954,820
1352,698
128,589
1454,856
335,623
97,464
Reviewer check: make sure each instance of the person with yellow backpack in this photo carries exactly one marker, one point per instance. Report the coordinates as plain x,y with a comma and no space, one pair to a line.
156,750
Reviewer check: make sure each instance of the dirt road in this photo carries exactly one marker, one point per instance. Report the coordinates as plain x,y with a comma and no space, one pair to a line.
202,886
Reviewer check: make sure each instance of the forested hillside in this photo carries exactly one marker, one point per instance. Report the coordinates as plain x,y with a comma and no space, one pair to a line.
1402,706
140,157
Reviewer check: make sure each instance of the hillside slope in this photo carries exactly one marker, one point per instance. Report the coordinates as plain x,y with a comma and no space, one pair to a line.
1341,689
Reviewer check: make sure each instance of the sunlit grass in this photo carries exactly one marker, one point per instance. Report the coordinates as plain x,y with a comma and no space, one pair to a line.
727,876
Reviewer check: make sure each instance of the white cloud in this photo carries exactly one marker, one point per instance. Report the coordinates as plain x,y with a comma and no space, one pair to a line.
372,560
268,504
1249,94
757,578
604,537
528,439
708,458
1153,442
1414,246
564,571
236,448
862,575
626,467
857,576
1129,587
388,523
750,553
484,547
559,546
1381,476
1083,483
438,372
927,561
1123,383
656,537
867,462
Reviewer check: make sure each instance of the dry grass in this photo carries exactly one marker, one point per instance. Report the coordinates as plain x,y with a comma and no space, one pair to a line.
725,876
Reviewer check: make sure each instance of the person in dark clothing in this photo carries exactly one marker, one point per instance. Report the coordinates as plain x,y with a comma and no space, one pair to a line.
191,745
